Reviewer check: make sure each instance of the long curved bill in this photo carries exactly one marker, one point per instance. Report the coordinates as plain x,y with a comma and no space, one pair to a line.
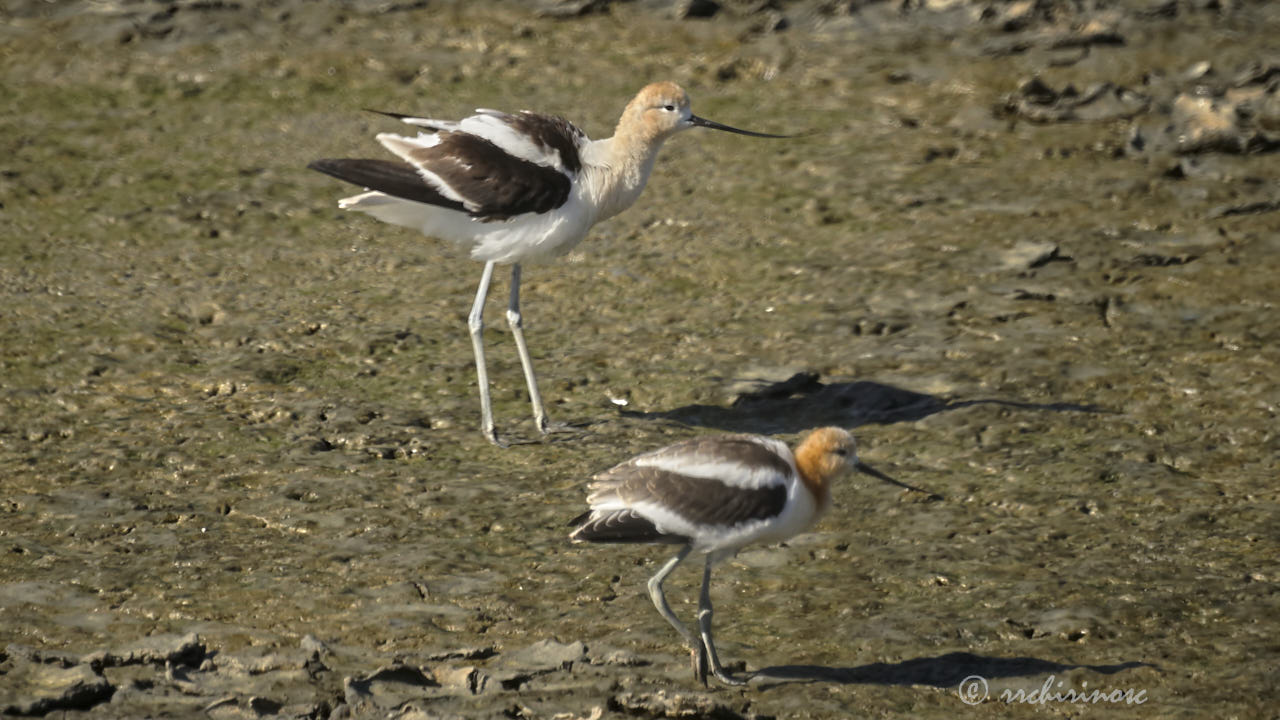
868,470
703,122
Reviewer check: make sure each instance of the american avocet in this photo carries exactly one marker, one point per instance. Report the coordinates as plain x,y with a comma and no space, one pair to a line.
515,188
714,495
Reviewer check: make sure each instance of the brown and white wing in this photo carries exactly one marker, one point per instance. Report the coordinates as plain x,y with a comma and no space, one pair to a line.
703,488
391,177
491,165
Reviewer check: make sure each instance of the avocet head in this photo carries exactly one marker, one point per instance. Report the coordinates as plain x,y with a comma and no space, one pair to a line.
662,109
831,452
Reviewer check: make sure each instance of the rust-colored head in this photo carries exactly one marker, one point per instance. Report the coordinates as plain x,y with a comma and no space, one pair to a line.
827,453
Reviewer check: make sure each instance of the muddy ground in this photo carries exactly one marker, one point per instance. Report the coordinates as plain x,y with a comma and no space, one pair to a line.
1029,250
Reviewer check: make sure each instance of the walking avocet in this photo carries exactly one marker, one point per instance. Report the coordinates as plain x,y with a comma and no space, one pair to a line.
714,495
515,188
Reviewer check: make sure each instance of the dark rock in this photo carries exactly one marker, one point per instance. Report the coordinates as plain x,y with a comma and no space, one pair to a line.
387,688
685,9
1029,254
1250,208
1038,102
38,689
572,8
155,650
471,653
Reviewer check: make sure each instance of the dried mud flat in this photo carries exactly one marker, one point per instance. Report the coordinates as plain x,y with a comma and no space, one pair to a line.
1029,250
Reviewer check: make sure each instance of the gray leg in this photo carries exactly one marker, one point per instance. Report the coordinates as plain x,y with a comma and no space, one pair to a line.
517,330
704,624
697,652
475,323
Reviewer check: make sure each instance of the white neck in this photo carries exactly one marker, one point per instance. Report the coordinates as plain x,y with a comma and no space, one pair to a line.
615,171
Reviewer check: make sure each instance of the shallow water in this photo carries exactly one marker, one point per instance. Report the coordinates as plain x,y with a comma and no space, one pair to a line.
231,410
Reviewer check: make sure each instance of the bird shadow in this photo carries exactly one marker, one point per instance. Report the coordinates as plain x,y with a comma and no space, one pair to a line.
944,671
801,402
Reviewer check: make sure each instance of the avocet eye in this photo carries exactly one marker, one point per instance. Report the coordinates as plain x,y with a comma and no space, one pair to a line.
669,108
842,452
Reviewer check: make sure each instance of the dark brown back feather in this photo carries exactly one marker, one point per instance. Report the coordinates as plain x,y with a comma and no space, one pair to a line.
395,178
498,184
704,501
551,131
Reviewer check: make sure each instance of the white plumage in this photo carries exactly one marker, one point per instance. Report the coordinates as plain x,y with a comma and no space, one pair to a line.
713,496
514,188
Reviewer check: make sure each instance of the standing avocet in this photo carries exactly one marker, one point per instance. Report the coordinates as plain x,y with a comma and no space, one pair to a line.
515,188
713,495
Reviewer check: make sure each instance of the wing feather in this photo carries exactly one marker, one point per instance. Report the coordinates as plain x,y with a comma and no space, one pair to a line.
491,165
396,179
671,494
491,183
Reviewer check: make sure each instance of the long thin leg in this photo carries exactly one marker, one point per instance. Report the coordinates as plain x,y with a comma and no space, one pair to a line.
660,601
704,624
475,323
517,330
